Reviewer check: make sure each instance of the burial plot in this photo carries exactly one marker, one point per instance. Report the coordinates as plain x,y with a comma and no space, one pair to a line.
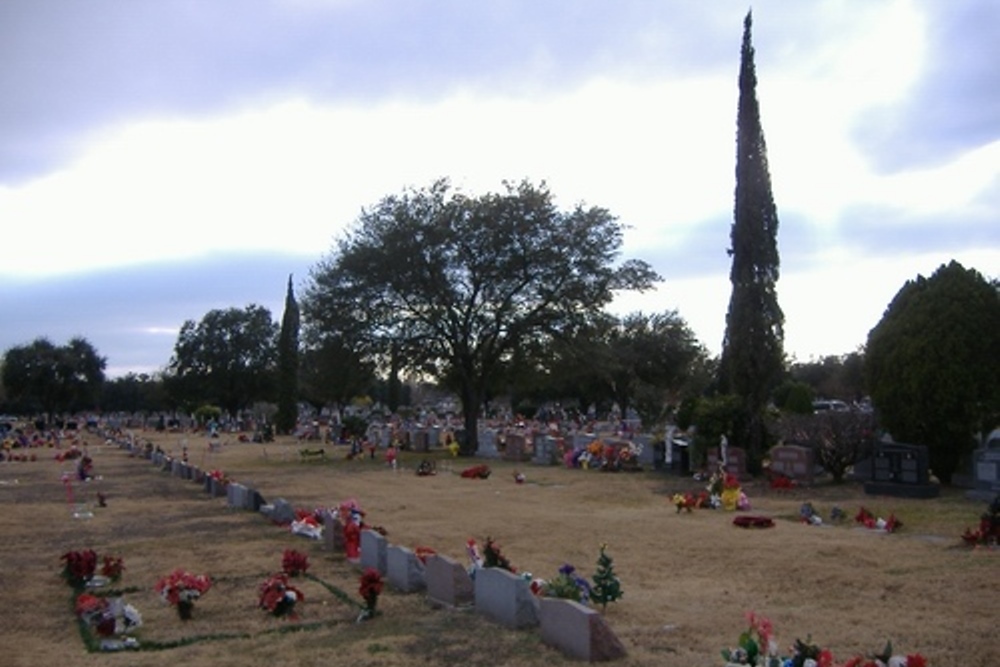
405,572
578,631
505,598
794,462
448,583
901,470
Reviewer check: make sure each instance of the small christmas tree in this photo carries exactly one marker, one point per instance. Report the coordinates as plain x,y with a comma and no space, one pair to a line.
607,588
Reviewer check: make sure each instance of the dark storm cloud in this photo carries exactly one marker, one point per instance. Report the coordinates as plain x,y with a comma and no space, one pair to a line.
131,314
955,105
72,67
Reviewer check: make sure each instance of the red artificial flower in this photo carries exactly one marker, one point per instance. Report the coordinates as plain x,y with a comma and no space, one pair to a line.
89,604
112,568
80,566
180,584
370,588
294,563
916,660
279,597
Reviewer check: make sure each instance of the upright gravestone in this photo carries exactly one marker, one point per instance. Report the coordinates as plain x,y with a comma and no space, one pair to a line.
421,440
333,532
404,570
578,631
736,461
901,470
987,471
448,583
373,551
517,448
234,495
487,444
794,462
647,452
505,598
545,449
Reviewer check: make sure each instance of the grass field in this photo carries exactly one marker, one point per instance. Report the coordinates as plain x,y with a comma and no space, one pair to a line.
688,578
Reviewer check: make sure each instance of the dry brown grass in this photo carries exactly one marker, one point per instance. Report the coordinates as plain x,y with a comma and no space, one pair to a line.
688,578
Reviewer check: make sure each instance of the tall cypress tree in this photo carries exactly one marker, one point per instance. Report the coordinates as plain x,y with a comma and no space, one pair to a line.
288,365
752,350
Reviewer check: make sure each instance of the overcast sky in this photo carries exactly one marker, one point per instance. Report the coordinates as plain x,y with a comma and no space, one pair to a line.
162,158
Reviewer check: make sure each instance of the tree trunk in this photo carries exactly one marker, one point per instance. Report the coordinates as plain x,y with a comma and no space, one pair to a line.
470,411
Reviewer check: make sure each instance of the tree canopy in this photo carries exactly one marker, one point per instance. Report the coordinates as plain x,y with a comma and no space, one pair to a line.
639,361
454,285
933,363
47,378
752,358
228,358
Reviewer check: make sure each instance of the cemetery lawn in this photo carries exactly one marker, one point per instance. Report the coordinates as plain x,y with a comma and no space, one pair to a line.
688,578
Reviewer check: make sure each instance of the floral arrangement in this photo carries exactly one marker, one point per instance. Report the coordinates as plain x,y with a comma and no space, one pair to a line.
112,567
79,567
279,597
567,584
988,533
756,646
423,552
690,501
307,523
369,589
750,521
475,556
219,477
477,472
493,557
869,520
780,482
105,618
294,563
426,468
181,588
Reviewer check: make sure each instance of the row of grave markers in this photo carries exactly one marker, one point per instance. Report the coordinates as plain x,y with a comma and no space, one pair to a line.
505,598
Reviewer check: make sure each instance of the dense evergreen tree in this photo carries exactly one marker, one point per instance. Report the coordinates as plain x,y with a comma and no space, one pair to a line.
933,363
752,350
288,365
456,285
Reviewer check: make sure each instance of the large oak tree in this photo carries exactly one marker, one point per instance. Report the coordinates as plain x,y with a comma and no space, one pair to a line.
227,359
455,285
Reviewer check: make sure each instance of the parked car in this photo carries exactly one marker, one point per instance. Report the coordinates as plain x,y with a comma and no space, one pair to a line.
824,405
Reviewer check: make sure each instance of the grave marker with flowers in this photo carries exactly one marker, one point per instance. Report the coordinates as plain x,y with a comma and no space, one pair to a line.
181,588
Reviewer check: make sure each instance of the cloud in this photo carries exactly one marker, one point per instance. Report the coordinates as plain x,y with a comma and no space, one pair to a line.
132,315
955,105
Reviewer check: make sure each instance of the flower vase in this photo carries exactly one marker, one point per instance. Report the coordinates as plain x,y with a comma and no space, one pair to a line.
184,609
730,498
